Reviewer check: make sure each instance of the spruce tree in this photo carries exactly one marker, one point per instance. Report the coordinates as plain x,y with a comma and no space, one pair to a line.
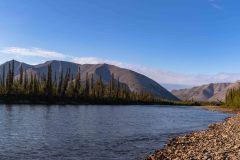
9,77
112,86
92,86
70,88
60,82
101,88
35,85
12,76
77,85
49,81
31,84
87,85
3,76
118,88
65,82
65,86
21,76
25,80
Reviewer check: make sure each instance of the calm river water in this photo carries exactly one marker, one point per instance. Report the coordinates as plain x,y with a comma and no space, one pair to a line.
94,132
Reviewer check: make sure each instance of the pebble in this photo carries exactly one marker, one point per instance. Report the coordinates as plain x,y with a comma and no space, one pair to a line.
220,141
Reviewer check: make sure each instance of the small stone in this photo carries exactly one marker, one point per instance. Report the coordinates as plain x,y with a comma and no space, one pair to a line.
221,141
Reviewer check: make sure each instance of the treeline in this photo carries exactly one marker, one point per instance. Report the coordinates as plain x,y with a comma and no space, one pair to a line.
232,98
67,88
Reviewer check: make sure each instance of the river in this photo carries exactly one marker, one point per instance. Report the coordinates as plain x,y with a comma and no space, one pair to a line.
94,132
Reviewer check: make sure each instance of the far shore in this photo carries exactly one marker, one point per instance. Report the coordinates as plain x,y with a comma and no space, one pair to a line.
230,110
219,141
57,100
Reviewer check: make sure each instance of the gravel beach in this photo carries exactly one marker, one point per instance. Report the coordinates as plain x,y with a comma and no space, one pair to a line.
220,141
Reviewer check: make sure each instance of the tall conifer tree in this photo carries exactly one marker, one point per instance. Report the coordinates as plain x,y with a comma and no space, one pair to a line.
49,81
21,75
87,85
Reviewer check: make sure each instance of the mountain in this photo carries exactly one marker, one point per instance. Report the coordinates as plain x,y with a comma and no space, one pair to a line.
209,92
134,81
171,87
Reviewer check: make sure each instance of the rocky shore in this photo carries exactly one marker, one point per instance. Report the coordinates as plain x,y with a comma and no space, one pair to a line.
220,141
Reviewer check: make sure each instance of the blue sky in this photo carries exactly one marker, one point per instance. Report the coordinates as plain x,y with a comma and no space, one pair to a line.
187,37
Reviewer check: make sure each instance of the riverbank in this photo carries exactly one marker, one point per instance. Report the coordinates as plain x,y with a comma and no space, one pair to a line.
86,100
220,141
64,100
221,109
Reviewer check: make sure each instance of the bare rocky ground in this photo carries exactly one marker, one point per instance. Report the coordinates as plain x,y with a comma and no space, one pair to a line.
220,142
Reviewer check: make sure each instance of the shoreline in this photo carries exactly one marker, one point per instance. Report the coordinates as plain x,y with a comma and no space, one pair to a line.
11,100
221,109
218,141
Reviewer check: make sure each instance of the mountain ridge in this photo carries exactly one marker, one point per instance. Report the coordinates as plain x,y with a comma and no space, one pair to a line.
208,92
136,82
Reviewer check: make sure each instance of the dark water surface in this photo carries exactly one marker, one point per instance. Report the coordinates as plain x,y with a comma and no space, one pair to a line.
94,132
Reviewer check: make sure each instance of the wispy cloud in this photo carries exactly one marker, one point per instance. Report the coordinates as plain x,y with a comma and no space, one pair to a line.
32,52
95,60
215,4
165,77
161,76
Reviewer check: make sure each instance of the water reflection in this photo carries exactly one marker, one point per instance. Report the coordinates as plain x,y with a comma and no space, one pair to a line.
94,132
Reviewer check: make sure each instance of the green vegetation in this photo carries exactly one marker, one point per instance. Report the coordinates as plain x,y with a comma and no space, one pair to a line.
67,89
35,88
232,98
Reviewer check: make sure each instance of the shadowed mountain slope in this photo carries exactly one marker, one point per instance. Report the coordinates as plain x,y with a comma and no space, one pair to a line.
210,92
134,81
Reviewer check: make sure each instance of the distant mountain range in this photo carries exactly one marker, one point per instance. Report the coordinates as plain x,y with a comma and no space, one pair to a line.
134,81
209,92
172,87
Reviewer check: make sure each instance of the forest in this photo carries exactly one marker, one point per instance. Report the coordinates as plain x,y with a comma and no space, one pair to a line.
232,98
67,89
